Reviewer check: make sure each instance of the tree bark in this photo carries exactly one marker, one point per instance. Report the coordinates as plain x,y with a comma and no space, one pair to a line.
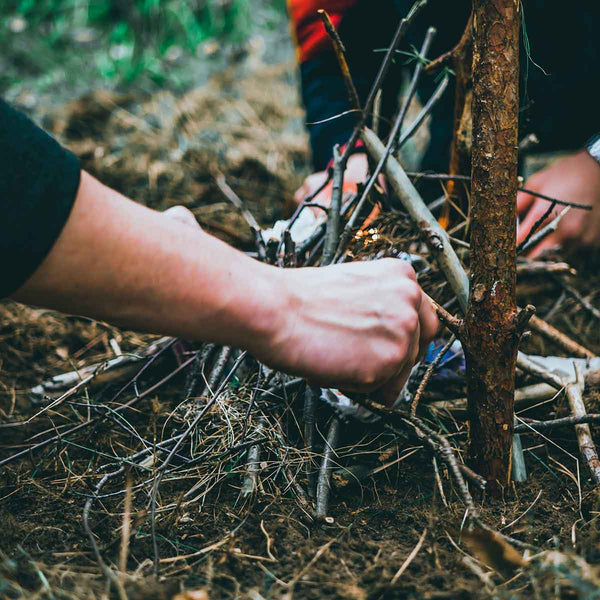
491,326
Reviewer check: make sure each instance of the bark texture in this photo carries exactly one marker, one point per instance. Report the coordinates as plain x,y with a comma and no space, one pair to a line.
491,328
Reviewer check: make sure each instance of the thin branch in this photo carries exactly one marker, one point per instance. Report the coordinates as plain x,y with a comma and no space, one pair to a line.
534,426
559,338
535,227
324,483
332,232
448,177
543,233
404,24
391,144
340,53
432,367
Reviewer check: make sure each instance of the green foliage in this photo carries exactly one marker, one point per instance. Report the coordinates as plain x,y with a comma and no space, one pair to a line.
131,37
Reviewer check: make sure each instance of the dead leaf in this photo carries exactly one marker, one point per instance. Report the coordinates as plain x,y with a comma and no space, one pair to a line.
492,549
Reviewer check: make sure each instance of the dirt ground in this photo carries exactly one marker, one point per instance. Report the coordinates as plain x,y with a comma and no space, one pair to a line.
395,534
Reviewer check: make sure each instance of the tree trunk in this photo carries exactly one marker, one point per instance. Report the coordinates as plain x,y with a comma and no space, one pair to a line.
491,327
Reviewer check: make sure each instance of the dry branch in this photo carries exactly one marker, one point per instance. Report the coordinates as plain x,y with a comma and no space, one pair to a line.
574,392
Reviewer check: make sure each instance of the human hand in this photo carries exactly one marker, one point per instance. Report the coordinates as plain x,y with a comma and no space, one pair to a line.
575,178
357,327
356,172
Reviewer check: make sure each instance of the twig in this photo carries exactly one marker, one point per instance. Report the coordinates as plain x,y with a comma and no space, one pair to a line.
409,558
543,233
404,24
447,454
543,268
449,177
432,367
253,464
235,200
526,364
333,218
340,53
411,200
518,467
535,227
126,527
456,54
534,426
559,338
391,144
523,396
106,570
587,447
324,483
435,98
573,292
310,397
454,324
217,370
62,383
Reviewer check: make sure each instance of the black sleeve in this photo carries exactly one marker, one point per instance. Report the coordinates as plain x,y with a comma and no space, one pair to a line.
39,180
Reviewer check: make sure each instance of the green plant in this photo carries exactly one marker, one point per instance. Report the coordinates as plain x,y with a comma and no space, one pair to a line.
130,37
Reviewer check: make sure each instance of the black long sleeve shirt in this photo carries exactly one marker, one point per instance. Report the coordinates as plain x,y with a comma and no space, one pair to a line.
39,180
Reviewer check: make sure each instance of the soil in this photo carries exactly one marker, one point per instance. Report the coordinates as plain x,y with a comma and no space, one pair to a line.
213,538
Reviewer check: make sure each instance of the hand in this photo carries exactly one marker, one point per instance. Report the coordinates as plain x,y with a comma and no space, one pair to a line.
356,172
574,178
358,326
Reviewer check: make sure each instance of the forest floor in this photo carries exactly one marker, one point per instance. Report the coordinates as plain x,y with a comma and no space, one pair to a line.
215,540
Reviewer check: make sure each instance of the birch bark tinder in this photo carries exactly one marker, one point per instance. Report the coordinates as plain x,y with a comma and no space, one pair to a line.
491,332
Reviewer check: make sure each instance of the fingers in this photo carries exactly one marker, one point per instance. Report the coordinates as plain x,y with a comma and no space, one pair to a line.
390,391
428,322
552,241
524,202
534,214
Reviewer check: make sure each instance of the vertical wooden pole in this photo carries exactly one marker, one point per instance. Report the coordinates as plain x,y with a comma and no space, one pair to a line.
491,327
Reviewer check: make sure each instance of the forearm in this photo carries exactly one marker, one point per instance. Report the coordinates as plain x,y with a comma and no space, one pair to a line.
119,261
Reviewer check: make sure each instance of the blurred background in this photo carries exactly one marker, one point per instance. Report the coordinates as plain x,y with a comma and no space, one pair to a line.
67,46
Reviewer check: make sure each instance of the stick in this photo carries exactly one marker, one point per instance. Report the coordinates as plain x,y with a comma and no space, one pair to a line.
559,338
333,218
425,221
253,465
324,483
435,98
543,268
535,426
310,397
535,227
523,396
543,233
404,24
573,292
587,447
409,558
391,145
340,53
432,367
449,177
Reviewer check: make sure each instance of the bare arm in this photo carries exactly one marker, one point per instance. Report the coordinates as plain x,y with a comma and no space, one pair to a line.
358,326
